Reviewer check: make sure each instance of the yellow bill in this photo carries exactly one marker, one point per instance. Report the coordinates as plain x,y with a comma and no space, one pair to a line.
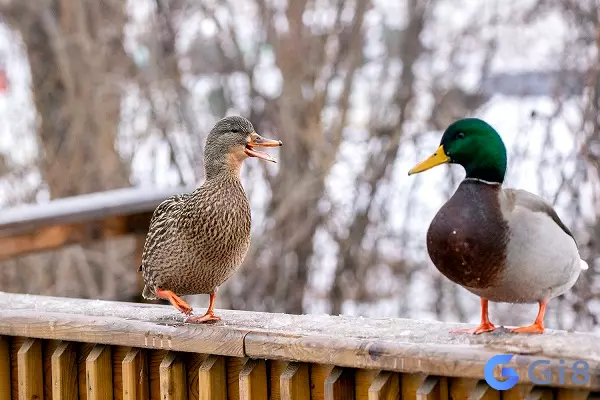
437,158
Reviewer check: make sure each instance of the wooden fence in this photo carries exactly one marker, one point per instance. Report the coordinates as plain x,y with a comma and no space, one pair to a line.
59,348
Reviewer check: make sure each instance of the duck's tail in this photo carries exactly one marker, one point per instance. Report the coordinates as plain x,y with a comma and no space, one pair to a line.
583,265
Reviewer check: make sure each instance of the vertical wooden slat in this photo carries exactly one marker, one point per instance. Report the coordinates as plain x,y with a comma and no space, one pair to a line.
339,385
173,385
363,379
29,364
4,368
318,375
572,394
192,363
98,371
48,347
64,372
155,359
118,355
83,351
385,386
295,382
212,379
276,368
253,380
234,367
471,389
538,393
433,388
15,345
135,375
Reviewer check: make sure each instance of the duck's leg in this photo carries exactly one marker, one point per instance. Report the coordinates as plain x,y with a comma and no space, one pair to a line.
210,315
484,326
177,301
538,324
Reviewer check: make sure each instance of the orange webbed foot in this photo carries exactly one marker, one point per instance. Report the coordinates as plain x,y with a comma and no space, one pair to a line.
487,327
175,300
533,328
208,317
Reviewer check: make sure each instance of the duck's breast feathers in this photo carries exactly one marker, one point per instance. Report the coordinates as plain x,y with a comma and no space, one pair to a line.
525,201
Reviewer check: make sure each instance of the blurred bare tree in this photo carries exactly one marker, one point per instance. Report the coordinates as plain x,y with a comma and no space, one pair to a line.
349,90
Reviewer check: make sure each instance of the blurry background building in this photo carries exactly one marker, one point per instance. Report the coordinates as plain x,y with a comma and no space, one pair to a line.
101,95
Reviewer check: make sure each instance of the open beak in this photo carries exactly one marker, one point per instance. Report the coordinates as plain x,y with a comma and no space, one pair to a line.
437,158
258,141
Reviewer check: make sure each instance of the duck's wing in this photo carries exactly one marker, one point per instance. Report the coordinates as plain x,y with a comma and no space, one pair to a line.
523,198
162,219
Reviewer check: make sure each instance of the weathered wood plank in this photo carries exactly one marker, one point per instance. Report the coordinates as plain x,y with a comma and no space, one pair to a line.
173,379
135,375
64,372
15,345
398,345
83,351
99,376
4,368
295,382
212,379
339,385
433,388
253,380
29,360
572,394
385,386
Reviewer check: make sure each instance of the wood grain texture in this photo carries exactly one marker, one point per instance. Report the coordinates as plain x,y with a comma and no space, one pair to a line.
398,345
318,376
253,380
192,363
99,376
294,382
212,379
135,375
29,361
118,355
234,368
173,379
339,385
64,372
433,388
48,347
385,386
471,389
276,368
15,346
4,368
83,351
571,394
154,361
363,379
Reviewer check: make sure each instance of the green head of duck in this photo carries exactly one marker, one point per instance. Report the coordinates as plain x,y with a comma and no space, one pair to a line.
475,145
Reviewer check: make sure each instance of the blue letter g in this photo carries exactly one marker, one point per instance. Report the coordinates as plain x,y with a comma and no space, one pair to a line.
510,373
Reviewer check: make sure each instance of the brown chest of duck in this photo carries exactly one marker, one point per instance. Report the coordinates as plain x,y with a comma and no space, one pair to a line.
504,245
196,241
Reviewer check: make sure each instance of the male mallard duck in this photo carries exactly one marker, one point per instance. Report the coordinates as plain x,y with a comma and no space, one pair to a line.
197,240
504,245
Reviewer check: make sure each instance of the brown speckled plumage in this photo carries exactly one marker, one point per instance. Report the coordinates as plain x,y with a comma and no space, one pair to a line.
197,240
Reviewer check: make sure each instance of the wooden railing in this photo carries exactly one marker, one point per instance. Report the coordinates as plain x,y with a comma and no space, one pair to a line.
59,348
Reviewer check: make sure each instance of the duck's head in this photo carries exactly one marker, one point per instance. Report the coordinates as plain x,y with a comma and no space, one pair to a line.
231,141
475,145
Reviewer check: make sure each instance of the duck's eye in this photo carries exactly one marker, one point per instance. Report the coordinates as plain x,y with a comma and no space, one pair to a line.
235,130
460,135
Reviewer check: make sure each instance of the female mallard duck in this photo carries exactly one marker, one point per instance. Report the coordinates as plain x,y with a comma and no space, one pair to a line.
197,240
504,245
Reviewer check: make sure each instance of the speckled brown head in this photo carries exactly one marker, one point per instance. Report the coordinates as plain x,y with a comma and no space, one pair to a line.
230,142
